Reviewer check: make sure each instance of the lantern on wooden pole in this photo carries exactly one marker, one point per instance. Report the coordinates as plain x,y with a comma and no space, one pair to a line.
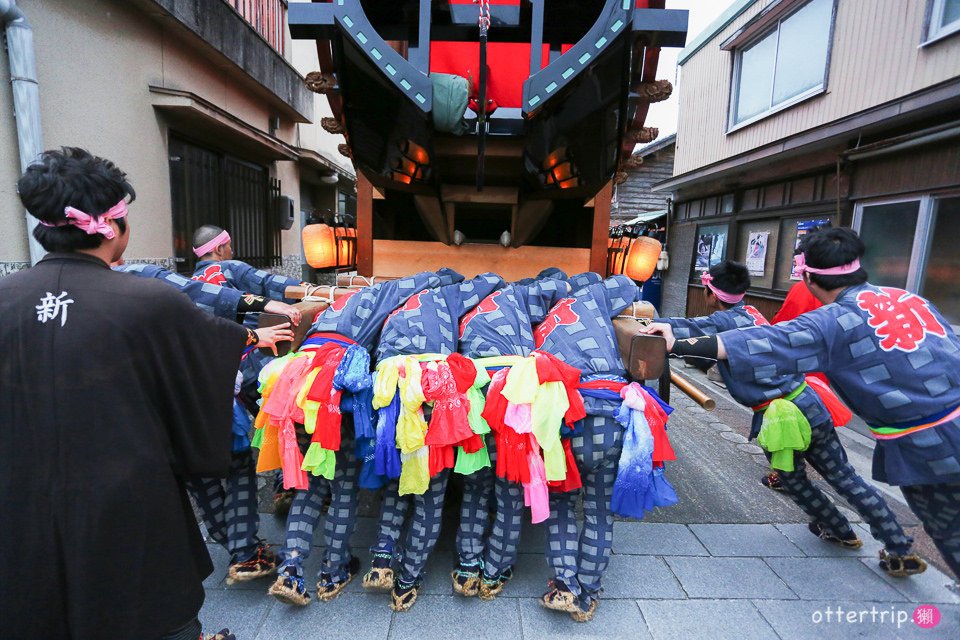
642,257
330,246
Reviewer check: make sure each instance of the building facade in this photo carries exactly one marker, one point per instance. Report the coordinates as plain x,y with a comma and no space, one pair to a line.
795,114
635,197
201,102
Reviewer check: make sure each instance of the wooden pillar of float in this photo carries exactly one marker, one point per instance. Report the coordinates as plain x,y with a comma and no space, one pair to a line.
601,229
364,225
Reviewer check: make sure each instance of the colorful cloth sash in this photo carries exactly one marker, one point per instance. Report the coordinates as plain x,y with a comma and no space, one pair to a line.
640,484
528,399
894,431
402,386
784,430
307,387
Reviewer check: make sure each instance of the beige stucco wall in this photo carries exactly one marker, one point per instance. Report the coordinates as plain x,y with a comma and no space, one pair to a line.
96,60
875,58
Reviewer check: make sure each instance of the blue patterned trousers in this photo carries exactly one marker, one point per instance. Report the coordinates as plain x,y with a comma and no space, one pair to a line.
393,515
579,558
341,520
827,455
478,544
228,506
424,529
938,507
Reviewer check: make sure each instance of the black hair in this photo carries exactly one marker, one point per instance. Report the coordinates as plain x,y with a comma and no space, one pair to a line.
205,234
730,277
71,177
833,247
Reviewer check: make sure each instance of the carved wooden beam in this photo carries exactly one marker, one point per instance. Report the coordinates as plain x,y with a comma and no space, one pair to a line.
320,82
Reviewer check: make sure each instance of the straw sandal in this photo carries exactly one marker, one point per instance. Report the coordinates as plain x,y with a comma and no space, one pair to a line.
223,634
327,589
559,598
465,582
490,588
901,566
290,589
380,576
847,543
263,563
404,597
585,616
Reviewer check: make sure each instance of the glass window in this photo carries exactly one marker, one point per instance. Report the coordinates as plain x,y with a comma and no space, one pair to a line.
941,278
785,64
888,231
944,18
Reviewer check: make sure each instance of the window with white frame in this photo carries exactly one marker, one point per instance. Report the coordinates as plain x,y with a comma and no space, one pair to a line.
944,18
911,244
783,65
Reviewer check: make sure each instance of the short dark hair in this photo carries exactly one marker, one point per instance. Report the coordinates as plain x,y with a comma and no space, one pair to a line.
71,177
834,247
205,234
730,277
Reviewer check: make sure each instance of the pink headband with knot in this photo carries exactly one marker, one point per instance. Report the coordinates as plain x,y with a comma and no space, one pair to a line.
222,238
801,262
92,224
706,279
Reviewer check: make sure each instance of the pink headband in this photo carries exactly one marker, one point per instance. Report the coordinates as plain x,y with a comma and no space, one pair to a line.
801,261
222,238
723,296
92,224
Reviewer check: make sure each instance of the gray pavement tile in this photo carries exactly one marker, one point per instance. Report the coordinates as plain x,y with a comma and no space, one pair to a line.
930,586
445,617
833,578
533,537
243,612
614,619
273,529
814,546
728,578
436,580
352,615
818,620
636,577
221,560
530,575
733,436
705,619
747,540
655,539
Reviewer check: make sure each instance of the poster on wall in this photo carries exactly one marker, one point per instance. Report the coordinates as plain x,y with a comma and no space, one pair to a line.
709,250
757,252
803,228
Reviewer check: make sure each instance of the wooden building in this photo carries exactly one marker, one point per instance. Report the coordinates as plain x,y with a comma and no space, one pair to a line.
799,113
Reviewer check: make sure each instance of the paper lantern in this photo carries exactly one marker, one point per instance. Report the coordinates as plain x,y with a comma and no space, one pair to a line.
320,246
642,258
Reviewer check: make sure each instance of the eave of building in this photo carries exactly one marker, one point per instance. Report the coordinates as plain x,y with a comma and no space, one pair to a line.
657,145
714,29
323,164
821,145
209,123
236,46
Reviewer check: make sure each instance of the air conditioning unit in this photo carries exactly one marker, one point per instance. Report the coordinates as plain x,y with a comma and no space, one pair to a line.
285,212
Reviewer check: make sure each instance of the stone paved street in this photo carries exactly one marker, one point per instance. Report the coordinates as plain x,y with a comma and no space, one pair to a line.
732,560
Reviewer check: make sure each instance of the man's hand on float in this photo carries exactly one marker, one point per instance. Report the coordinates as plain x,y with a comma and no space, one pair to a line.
284,309
270,336
661,329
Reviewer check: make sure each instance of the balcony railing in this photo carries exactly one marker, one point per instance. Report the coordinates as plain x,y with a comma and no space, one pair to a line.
268,17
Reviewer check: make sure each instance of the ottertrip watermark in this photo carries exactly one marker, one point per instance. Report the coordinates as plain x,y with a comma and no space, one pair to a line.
926,616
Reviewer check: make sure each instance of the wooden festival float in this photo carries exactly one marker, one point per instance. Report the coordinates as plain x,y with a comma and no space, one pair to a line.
488,135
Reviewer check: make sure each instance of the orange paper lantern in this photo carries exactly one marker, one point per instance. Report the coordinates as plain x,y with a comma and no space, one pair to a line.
320,246
642,258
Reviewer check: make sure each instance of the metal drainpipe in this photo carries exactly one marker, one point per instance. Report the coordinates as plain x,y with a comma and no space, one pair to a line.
26,98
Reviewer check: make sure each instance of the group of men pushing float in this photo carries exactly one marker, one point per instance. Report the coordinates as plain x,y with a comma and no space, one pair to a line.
520,387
